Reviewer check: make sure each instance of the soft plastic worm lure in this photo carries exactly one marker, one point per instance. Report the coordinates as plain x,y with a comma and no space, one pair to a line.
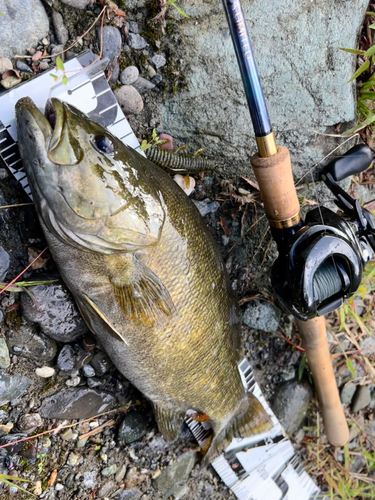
179,162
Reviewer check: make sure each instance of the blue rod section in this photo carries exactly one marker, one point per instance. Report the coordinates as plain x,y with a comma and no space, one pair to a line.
249,72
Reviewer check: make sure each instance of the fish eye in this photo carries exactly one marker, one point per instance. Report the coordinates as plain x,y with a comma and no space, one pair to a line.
103,144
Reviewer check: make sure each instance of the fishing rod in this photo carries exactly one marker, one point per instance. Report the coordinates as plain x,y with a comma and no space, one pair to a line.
321,258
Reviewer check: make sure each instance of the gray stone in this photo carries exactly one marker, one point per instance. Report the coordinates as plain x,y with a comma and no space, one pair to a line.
23,67
177,471
347,392
129,494
206,206
58,51
15,448
94,382
76,403
212,109
129,75
66,359
362,398
367,345
5,65
4,354
133,27
72,459
55,312
109,471
61,32
29,422
290,404
4,263
159,60
115,73
262,315
101,363
157,79
12,387
111,42
151,72
179,491
73,382
133,427
22,26
142,85
43,65
77,4
89,480
88,371
28,343
120,473
135,41
10,81
106,489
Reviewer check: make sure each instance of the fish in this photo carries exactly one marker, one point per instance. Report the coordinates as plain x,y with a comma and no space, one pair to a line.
143,269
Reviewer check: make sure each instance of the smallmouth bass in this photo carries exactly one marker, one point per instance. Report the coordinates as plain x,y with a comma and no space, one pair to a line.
143,269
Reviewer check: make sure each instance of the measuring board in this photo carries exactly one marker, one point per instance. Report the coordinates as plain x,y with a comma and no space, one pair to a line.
261,467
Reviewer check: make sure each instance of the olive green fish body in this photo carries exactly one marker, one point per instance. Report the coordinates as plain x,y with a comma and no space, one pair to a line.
145,273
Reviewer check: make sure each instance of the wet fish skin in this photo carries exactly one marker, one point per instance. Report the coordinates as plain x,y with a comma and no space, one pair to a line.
143,268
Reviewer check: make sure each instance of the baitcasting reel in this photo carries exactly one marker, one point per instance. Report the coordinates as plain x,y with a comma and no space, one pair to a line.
321,260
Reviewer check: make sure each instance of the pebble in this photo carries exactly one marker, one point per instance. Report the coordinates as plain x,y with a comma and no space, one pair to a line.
129,100
66,359
157,79
73,382
115,73
181,181
129,494
262,315
26,342
347,392
58,50
5,65
89,480
362,398
43,65
106,489
129,75
4,354
133,27
94,382
4,263
77,403
151,72
88,371
81,443
159,60
291,402
111,42
29,422
133,478
10,81
56,313
68,435
169,144
45,372
137,42
101,363
61,32
142,85
59,487
206,206
77,4
24,68
13,448
133,427
177,471
120,473
109,471
72,459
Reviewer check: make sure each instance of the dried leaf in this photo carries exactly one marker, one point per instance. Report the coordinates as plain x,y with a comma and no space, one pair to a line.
10,72
42,259
224,226
38,54
253,184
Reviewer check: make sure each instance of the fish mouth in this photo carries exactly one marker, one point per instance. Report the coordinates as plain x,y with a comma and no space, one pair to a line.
38,126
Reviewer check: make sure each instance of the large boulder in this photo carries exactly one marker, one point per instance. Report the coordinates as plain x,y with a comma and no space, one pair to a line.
22,24
303,73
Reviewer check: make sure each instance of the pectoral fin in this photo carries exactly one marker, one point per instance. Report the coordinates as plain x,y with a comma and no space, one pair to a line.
87,306
169,421
141,295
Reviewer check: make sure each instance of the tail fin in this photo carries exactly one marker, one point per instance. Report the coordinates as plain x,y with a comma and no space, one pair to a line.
253,420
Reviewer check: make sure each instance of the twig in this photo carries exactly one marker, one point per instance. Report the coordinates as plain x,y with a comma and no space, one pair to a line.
259,247
109,423
289,342
16,205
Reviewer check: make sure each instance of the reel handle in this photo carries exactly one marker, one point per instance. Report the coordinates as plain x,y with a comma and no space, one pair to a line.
354,161
314,340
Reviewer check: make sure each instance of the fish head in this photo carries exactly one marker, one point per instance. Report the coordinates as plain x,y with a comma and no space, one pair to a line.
90,189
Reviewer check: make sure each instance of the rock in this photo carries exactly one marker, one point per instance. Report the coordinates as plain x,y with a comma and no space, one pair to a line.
5,65
129,494
77,4
293,90
367,345
73,382
10,81
129,100
169,144
55,312
22,26
133,27
72,459
347,392
66,359
115,73
43,65
176,472
206,206
89,480
68,435
45,372
88,371
142,85
290,404
26,342
362,398
106,489
111,42
4,354
58,50
29,422
61,32
109,471
120,473
94,382
23,68
159,60
133,427
262,315
77,403
151,72
12,449
181,490
4,263
137,42
133,478
129,75
101,363
157,79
